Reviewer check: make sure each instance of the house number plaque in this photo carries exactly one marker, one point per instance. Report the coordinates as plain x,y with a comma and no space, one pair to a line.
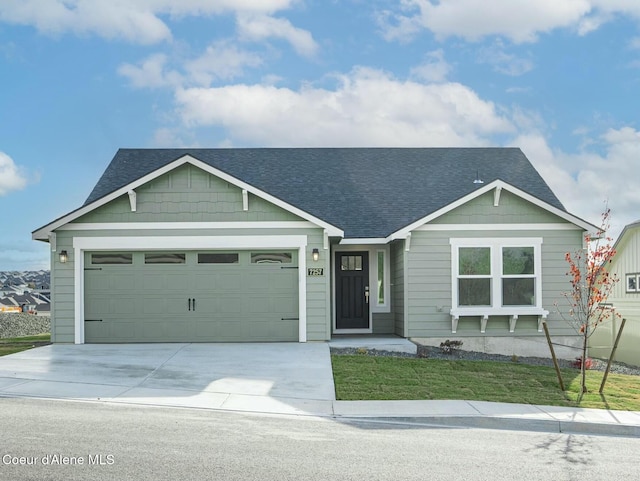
315,271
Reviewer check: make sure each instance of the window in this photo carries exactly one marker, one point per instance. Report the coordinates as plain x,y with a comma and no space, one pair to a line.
496,272
381,293
271,258
474,276
518,276
116,258
217,258
351,263
632,282
164,258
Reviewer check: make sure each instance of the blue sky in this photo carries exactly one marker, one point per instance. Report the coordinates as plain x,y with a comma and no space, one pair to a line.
82,78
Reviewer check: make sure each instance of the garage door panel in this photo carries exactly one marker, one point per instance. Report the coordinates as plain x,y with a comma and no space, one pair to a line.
233,302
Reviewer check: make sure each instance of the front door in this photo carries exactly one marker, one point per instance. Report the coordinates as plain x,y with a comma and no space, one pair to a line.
352,290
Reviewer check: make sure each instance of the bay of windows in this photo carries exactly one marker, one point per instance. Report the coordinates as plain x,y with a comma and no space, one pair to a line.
496,273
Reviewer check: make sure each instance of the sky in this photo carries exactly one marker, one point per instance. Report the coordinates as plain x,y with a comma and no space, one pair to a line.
81,78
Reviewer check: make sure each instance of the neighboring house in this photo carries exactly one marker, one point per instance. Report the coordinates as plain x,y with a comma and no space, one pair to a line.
302,244
625,297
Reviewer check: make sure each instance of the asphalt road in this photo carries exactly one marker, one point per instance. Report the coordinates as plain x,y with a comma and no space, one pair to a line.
117,442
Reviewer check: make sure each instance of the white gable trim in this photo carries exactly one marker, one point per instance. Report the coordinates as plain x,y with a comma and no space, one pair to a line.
43,232
497,184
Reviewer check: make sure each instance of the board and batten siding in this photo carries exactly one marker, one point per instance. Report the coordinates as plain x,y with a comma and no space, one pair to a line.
429,269
188,194
625,261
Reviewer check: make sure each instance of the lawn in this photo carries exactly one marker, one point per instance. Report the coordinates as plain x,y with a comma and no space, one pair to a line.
17,344
362,377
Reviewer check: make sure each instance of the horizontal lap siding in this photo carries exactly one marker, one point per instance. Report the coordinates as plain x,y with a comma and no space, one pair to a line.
188,194
429,284
62,293
397,286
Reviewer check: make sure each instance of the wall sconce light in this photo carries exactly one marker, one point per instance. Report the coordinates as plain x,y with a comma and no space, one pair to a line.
315,254
63,257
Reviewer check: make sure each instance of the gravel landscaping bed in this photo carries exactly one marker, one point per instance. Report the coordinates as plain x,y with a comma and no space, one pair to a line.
19,324
458,354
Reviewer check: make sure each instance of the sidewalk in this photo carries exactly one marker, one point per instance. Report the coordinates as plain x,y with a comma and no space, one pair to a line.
462,414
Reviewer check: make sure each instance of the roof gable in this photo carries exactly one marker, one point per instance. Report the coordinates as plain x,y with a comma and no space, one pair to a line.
360,192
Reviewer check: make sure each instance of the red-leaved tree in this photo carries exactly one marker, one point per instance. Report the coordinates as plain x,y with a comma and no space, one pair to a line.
591,284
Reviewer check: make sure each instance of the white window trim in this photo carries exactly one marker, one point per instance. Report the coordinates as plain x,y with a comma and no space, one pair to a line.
636,276
82,244
496,308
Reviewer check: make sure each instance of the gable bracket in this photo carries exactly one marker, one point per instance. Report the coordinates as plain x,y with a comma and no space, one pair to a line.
496,196
245,200
133,200
326,240
407,242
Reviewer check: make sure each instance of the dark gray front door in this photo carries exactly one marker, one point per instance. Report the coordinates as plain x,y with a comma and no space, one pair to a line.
352,290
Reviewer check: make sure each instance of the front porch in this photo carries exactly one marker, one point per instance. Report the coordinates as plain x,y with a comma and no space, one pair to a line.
377,342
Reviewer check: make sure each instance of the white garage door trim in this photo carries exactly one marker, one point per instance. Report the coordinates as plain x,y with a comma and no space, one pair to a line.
81,244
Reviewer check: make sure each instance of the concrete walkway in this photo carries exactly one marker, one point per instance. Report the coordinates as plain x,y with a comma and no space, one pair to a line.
275,378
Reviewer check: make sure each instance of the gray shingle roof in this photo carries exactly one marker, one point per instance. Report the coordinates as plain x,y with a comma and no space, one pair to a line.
367,192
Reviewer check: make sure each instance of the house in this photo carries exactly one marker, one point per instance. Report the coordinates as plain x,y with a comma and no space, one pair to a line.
625,297
304,244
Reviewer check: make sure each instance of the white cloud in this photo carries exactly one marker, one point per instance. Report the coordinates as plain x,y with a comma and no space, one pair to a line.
260,27
634,43
434,69
221,60
518,20
134,21
11,176
368,107
584,181
503,62
150,73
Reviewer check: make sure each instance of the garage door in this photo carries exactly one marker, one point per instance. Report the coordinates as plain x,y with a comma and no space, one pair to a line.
191,296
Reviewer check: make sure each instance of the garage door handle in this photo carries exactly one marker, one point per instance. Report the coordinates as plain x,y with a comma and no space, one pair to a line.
194,303
189,303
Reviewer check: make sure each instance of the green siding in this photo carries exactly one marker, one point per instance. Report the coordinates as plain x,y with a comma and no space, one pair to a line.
398,286
429,284
511,210
383,323
627,304
187,194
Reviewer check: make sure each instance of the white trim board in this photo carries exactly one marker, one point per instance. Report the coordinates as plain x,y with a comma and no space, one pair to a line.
82,244
42,233
81,226
495,227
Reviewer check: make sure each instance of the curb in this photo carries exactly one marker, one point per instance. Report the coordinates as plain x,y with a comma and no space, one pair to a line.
507,424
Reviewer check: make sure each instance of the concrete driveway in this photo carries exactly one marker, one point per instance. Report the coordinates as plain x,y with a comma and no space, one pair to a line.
290,378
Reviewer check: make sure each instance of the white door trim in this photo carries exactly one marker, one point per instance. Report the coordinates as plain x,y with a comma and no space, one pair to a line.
82,244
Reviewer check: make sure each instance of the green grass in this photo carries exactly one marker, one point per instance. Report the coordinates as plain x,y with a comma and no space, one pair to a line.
17,344
362,377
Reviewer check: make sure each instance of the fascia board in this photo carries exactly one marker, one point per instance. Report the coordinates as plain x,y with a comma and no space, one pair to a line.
402,233
43,232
